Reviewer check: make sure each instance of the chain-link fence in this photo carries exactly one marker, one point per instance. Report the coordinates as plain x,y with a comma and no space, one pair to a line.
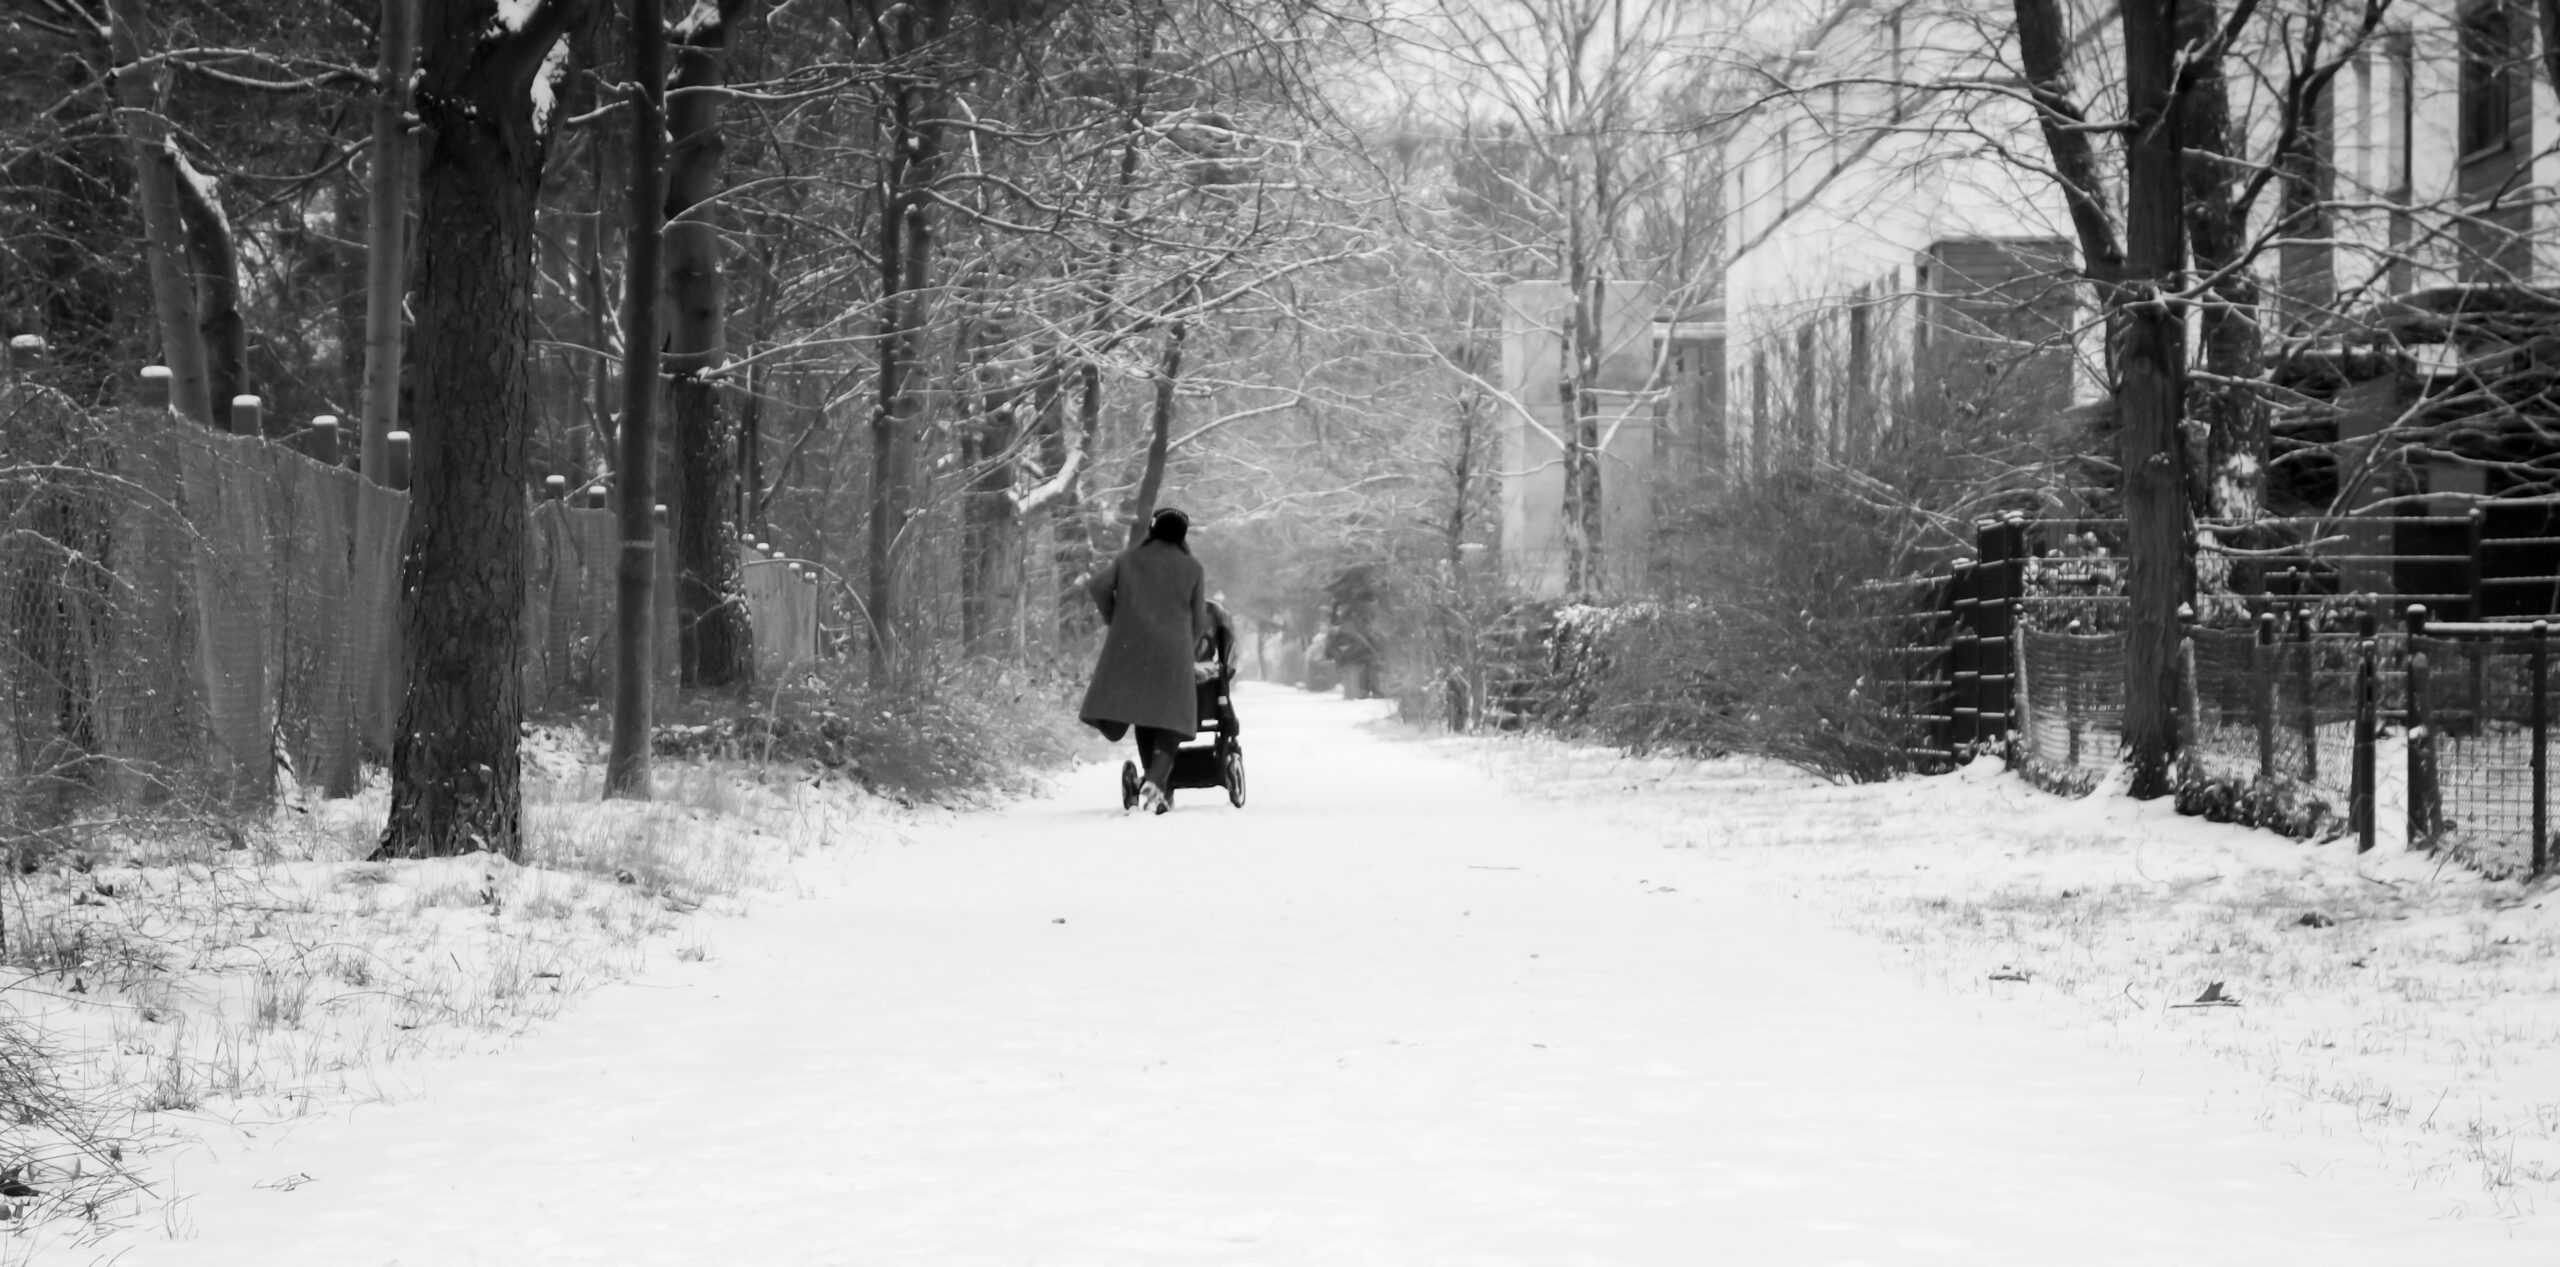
188,612
571,577
189,609
2447,730
2480,761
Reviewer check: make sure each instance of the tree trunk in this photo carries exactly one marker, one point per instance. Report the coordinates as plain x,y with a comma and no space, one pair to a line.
454,763
214,261
1159,432
386,233
906,260
991,567
2231,480
1071,526
173,299
717,642
2150,397
636,445
1583,527
2305,279
2550,10
2044,47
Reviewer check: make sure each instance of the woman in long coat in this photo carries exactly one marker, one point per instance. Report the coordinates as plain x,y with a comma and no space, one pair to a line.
1155,600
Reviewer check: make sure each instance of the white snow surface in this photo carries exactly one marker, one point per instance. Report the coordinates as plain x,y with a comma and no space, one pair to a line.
1392,1012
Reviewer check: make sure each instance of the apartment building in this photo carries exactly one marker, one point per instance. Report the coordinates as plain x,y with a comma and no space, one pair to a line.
1899,248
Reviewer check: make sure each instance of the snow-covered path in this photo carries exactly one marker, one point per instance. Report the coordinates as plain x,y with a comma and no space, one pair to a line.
1386,1015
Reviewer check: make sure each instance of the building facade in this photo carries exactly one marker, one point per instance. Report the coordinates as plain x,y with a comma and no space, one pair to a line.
1898,247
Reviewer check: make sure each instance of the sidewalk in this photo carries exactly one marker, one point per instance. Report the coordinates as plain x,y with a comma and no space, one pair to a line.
1386,1014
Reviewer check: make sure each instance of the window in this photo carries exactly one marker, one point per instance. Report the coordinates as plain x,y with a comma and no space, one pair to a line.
1894,66
2489,55
1742,198
2399,160
2397,176
2360,74
1784,185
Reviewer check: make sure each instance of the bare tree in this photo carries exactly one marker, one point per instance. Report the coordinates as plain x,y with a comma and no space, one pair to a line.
140,88
717,643
635,454
455,784
386,224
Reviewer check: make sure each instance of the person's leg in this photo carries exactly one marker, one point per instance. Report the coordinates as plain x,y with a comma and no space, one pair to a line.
1155,750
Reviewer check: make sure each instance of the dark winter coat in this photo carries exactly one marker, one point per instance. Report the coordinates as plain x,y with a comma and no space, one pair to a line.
1155,600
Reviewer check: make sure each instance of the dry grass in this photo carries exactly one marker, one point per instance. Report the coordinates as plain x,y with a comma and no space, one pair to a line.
253,973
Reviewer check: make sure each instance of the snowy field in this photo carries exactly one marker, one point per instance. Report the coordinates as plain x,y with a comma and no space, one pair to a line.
1437,1001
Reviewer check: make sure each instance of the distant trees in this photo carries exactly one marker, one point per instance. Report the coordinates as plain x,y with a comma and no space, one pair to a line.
1569,166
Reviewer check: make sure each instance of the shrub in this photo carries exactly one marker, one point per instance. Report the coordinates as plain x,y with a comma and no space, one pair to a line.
974,728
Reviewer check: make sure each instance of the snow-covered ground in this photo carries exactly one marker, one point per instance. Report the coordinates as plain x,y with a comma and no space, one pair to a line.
1441,1001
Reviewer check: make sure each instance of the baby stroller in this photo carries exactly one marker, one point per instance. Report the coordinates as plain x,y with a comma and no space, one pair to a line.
1212,757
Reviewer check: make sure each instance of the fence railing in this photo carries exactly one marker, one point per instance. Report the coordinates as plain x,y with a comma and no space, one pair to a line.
2287,719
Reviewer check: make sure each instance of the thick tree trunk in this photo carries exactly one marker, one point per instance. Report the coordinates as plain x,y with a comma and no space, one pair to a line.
2305,279
717,642
2044,50
386,233
2550,11
173,299
454,763
214,261
906,241
2151,398
2229,482
636,446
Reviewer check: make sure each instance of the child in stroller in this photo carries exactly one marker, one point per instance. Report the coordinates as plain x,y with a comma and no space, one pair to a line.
1212,757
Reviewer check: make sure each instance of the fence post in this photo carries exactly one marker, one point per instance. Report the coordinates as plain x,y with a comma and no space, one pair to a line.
2021,716
2262,695
155,387
2303,678
2538,714
1964,660
2472,569
246,411
1997,587
555,487
324,439
2426,799
2189,712
2070,697
395,462
2360,775
26,352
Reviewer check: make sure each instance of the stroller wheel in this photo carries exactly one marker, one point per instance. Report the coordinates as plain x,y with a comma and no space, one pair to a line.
1235,777
1128,785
